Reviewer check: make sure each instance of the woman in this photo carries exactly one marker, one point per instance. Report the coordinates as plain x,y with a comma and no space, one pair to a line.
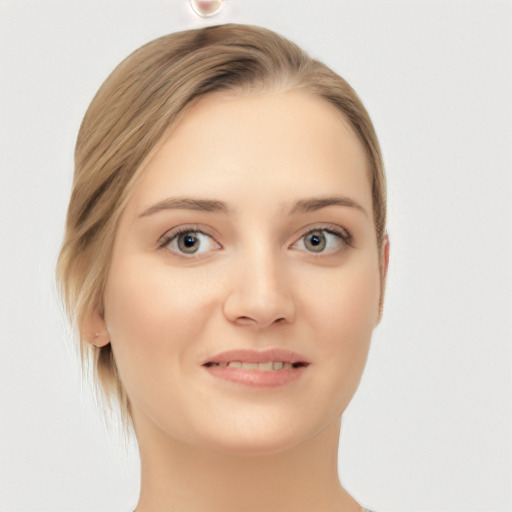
224,264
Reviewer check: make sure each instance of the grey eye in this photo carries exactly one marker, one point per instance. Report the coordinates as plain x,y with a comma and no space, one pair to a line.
315,241
188,242
321,241
191,243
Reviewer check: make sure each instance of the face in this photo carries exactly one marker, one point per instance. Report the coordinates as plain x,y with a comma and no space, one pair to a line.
244,283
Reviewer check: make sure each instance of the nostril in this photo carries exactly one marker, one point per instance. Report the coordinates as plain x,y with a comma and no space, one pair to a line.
252,307
245,320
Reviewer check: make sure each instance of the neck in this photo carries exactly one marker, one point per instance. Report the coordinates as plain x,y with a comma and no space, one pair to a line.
182,478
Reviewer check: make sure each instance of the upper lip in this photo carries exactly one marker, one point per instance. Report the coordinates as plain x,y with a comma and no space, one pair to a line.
255,356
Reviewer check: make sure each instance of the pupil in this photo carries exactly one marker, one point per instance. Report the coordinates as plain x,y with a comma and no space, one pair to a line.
188,242
316,241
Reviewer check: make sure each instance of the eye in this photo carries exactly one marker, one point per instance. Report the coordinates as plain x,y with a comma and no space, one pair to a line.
189,242
322,241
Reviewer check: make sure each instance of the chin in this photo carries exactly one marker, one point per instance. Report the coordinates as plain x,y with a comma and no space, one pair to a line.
262,439
253,447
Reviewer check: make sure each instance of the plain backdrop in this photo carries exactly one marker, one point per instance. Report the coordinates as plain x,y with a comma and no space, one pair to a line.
430,427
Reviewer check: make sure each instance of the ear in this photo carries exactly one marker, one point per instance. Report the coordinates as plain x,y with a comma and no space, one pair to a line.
383,268
95,329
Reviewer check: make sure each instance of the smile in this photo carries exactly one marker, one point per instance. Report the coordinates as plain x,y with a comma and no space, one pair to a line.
262,367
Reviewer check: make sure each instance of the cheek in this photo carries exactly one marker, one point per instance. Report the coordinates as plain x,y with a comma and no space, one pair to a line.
152,314
343,317
345,303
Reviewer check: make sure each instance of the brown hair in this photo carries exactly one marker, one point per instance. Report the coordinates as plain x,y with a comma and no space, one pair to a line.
141,99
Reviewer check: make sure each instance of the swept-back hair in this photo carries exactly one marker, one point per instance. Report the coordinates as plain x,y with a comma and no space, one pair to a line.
141,99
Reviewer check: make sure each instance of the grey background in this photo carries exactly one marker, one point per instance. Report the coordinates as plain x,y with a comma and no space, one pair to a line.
430,427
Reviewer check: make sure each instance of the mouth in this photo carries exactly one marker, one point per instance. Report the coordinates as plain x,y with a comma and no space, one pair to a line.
270,368
262,367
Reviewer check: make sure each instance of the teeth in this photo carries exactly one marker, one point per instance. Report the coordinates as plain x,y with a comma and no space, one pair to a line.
263,367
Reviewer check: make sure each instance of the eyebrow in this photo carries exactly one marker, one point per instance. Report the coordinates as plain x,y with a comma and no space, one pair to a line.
213,205
185,203
317,203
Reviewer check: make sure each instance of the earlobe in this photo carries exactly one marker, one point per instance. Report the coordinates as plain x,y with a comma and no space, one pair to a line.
95,330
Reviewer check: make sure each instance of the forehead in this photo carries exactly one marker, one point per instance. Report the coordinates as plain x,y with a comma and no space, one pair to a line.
268,146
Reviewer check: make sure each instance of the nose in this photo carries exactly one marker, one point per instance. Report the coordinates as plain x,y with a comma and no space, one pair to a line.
260,293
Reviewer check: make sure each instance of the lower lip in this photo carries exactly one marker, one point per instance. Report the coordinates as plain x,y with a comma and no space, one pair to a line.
256,378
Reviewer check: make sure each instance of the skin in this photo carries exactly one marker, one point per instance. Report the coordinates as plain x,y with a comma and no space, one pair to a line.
206,443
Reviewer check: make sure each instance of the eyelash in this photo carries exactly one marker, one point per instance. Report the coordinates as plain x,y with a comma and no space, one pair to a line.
168,237
344,236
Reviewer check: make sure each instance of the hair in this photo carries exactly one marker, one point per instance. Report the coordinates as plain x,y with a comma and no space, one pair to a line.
143,97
